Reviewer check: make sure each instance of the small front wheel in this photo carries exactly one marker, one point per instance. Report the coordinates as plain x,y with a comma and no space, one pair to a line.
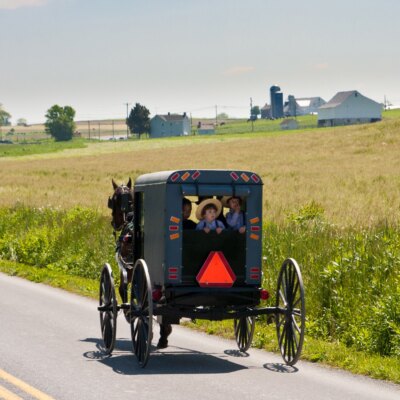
108,309
290,321
244,331
141,312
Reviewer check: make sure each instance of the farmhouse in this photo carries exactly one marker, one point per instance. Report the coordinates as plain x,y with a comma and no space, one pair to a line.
347,108
170,125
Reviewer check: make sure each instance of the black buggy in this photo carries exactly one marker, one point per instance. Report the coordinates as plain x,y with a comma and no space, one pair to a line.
172,273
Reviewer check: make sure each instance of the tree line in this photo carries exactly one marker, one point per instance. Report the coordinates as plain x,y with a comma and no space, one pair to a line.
61,126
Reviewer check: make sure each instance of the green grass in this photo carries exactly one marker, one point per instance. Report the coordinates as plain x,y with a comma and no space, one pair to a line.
351,276
264,125
391,114
72,283
38,147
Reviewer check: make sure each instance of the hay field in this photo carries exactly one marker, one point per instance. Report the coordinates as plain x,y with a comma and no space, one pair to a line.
353,172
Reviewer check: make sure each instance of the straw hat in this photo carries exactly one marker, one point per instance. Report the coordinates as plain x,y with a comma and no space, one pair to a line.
204,203
225,200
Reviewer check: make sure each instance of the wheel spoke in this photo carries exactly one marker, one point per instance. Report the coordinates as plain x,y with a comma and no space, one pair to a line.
296,288
281,319
296,326
296,302
282,298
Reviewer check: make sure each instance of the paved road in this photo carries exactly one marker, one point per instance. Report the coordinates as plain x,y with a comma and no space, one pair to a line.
49,341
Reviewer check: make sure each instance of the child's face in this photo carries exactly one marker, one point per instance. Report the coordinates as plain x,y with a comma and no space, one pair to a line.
186,211
234,204
210,215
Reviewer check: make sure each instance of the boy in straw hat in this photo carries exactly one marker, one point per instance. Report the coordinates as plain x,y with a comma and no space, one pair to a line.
207,212
235,218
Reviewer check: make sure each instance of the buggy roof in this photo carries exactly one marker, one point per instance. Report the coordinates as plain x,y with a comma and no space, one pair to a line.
200,176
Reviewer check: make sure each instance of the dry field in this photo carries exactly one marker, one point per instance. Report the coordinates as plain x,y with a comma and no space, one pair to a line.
353,173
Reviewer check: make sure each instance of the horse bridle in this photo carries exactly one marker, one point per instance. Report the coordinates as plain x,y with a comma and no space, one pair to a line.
126,203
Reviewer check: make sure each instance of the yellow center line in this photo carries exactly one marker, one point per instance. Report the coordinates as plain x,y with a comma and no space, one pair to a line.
37,394
7,395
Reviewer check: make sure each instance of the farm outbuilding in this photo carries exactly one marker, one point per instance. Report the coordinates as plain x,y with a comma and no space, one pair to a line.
205,129
289,123
170,125
302,105
266,111
309,105
347,108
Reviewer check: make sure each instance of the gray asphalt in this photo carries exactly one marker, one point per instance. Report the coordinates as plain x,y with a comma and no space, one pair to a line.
50,340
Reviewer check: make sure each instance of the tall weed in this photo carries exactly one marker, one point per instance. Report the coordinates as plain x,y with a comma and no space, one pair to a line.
77,241
351,278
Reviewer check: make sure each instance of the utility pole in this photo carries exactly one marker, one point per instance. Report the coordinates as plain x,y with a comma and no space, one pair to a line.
99,130
89,128
216,116
113,128
251,114
127,116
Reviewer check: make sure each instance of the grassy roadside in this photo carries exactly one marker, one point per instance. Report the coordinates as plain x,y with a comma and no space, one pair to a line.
74,284
333,354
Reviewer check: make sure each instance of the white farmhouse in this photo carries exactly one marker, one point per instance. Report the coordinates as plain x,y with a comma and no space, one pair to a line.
170,125
347,108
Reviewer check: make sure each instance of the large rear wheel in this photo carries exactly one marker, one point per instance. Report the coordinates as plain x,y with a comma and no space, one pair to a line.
141,312
290,320
108,309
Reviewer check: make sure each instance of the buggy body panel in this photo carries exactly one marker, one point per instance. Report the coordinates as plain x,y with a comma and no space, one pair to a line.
175,256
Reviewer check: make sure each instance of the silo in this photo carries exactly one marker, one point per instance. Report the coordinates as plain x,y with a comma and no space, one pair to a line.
276,102
292,106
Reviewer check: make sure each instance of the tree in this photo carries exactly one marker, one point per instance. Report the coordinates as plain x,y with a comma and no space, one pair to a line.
22,122
60,122
4,116
222,116
138,120
255,112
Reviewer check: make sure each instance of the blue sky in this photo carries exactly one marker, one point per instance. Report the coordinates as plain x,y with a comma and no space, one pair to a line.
190,55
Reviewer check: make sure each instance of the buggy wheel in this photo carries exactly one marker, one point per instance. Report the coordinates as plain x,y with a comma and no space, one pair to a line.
244,331
290,320
141,312
108,309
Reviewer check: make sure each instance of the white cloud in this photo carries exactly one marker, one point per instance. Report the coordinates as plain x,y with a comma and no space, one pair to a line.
13,4
321,66
238,71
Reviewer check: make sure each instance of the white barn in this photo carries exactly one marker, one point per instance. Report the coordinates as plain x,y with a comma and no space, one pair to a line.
308,105
347,108
170,125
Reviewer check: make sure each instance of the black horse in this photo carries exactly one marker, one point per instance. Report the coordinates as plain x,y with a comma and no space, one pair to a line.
121,204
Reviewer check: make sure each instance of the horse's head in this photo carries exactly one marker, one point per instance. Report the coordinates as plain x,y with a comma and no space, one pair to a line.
121,203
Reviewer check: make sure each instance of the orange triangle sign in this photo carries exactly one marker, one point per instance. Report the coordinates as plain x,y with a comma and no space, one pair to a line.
216,271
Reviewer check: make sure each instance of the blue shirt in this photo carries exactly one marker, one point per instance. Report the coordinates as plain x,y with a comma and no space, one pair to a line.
211,225
235,220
